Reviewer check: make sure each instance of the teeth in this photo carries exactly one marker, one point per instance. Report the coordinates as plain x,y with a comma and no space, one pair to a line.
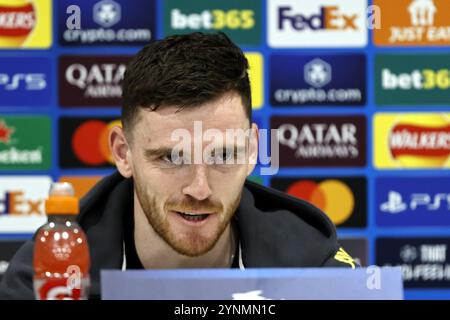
192,216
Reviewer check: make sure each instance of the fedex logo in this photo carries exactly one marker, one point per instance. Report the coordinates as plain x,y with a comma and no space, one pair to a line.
15,203
22,203
318,24
328,17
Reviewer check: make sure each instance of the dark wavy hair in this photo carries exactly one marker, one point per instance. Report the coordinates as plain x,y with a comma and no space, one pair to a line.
185,71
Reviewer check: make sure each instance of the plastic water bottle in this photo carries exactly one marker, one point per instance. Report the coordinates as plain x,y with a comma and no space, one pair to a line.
61,252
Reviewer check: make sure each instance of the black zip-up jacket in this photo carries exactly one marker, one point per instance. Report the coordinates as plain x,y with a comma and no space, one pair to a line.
275,230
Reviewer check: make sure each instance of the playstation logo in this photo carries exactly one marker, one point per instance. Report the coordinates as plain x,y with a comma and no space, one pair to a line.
394,204
317,73
107,13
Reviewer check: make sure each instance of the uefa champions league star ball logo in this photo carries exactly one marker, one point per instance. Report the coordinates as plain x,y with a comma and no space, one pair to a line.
408,253
107,13
317,73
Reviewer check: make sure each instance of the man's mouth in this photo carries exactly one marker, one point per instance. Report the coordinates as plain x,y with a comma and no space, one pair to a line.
193,217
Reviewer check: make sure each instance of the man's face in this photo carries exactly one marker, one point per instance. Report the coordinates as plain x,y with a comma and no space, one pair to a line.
190,203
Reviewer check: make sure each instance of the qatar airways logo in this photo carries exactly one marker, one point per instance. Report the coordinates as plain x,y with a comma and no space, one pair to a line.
91,80
321,141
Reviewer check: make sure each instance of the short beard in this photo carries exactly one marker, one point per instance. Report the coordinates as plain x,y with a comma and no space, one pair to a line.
197,245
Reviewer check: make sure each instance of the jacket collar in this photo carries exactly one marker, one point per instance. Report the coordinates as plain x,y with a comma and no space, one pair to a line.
275,230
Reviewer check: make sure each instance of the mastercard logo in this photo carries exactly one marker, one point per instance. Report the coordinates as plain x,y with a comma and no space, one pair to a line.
90,142
332,196
421,140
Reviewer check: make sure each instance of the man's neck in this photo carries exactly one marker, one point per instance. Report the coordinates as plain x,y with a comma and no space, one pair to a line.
155,253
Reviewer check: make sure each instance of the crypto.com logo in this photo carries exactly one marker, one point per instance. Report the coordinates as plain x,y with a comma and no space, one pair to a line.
317,73
224,148
106,13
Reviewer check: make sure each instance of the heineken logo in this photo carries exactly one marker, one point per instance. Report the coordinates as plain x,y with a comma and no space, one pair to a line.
21,147
5,133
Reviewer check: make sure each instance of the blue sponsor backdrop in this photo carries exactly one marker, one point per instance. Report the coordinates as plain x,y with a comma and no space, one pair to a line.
317,79
107,22
25,81
425,260
419,202
139,14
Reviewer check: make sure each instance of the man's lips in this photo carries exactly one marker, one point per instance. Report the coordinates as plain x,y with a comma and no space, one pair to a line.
193,216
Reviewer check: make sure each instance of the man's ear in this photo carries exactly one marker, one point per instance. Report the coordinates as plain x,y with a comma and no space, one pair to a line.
253,149
120,151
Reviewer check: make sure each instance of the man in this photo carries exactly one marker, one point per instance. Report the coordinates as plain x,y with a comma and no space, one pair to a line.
166,207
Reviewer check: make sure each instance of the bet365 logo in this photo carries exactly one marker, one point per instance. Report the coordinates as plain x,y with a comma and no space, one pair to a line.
213,19
241,20
406,79
425,79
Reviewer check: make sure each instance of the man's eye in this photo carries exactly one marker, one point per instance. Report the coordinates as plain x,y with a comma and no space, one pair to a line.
175,159
223,157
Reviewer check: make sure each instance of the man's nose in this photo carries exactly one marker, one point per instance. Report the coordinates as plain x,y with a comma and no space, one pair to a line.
199,186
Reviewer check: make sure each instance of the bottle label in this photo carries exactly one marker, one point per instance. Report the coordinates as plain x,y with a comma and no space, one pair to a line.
61,288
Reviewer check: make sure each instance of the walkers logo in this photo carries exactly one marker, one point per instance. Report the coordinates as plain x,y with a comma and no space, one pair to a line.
25,23
25,82
255,74
317,80
333,141
21,147
412,79
22,203
85,142
412,140
330,23
81,184
7,250
240,20
106,22
357,248
413,23
334,196
424,261
91,80
413,201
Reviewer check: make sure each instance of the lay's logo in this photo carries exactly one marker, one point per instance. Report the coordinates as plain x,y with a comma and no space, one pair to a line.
17,21
412,140
25,23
